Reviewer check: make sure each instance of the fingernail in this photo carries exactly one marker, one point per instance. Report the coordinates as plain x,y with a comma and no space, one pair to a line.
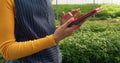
70,13
63,12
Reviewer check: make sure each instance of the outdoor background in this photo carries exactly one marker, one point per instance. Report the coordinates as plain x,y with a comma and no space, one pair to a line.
98,39
86,1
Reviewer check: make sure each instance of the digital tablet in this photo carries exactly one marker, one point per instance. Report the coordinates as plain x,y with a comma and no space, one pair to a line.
82,18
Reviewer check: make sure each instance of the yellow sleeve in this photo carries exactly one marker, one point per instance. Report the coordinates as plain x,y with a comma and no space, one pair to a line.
9,48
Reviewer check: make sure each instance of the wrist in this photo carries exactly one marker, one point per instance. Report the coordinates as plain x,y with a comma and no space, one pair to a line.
56,39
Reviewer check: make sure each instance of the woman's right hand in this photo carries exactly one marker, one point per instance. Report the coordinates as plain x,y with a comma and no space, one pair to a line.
74,13
64,31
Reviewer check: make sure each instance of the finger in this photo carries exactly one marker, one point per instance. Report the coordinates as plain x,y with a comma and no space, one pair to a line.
68,22
62,17
76,13
66,19
69,13
76,27
73,12
68,16
78,9
63,13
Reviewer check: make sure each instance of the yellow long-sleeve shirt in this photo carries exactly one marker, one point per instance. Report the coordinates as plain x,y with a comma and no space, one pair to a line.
9,48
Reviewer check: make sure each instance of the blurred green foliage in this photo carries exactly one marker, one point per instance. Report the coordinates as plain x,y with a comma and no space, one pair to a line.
95,42
110,10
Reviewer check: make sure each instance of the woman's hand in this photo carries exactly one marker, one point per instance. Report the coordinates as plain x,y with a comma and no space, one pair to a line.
65,31
74,13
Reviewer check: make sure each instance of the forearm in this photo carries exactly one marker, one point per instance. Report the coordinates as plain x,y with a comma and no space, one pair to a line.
14,50
9,48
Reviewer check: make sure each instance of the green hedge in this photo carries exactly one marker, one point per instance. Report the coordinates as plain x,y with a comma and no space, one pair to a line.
95,42
110,10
